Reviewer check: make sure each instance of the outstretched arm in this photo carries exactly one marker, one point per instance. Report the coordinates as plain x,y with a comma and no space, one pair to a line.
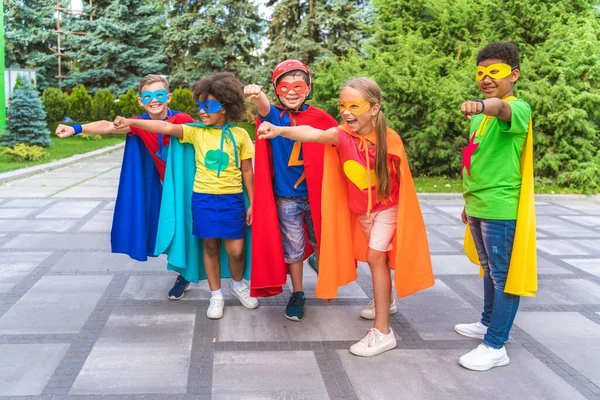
303,133
493,107
93,128
163,127
258,98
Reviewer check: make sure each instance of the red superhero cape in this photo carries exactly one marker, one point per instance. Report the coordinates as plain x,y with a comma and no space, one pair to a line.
269,271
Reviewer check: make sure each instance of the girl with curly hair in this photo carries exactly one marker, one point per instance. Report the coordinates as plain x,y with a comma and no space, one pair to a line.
223,163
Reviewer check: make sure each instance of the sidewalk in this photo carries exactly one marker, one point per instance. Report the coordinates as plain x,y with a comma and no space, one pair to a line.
78,322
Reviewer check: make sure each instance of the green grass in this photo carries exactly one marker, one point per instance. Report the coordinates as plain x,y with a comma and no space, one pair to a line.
250,128
62,148
452,185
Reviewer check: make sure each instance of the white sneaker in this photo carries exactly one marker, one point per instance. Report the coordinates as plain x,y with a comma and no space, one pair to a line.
369,312
215,308
475,330
374,343
243,295
483,358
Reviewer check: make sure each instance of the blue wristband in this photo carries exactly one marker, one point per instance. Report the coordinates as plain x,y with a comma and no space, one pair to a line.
78,129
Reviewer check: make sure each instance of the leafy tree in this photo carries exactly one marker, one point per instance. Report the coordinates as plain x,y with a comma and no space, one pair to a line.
56,104
422,54
80,105
103,106
183,100
27,122
123,43
30,38
128,105
211,35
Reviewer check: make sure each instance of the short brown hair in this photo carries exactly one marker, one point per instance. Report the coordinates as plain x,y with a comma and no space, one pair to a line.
150,79
227,89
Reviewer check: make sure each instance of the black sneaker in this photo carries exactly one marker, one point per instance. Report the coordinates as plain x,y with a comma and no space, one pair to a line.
313,264
295,308
178,291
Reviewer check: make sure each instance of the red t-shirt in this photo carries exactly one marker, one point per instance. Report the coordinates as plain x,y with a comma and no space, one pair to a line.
354,164
150,139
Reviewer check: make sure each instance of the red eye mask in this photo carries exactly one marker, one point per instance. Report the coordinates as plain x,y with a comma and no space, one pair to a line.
299,87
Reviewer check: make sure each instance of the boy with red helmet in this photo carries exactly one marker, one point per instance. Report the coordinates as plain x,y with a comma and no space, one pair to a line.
288,178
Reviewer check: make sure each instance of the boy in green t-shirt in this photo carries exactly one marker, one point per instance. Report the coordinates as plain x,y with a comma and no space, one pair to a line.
491,172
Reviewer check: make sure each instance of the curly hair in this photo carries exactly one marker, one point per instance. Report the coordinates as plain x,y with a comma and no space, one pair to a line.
505,51
227,89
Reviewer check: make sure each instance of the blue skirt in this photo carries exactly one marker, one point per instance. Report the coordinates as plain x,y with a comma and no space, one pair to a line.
220,216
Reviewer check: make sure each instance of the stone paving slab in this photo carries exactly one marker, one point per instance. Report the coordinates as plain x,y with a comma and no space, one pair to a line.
15,213
589,265
270,375
32,225
55,304
571,336
64,242
26,368
561,247
101,222
69,209
435,374
309,283
139,351
454,265
14,267
84,192
93,261
268,324
27,203
431,321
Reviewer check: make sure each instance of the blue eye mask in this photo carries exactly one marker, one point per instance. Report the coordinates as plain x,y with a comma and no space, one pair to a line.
210,106
160,95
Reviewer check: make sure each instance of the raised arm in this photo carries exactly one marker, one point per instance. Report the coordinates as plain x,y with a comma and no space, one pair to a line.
93,128
163,127
303,133
259,99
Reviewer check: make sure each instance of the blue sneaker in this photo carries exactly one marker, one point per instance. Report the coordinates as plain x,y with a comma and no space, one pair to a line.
178,291
295,308
312,263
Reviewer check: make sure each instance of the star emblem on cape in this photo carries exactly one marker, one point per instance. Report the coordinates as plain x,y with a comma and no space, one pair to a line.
467,154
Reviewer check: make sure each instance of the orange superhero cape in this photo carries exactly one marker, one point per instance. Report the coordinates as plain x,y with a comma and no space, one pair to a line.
343,241
522,272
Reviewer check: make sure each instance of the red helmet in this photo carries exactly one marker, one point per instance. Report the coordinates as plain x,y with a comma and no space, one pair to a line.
287,66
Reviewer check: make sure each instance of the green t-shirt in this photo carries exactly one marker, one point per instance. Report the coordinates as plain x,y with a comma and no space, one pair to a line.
492,189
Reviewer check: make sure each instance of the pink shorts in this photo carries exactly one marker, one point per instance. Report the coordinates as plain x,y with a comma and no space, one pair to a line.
380,227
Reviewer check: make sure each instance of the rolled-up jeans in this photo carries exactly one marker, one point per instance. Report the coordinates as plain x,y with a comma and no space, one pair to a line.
494,242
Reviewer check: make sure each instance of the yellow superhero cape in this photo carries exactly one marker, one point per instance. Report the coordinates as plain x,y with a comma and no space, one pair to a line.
522,272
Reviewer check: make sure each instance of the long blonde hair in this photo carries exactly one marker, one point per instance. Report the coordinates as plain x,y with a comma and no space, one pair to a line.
372,93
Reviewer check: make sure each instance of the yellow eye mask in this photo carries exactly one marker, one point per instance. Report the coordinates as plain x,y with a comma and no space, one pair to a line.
356,107
494,71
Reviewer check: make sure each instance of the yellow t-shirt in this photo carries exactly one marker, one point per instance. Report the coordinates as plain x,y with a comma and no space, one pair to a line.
207,143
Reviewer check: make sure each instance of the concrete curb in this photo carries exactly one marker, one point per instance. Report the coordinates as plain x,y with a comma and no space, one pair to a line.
28,171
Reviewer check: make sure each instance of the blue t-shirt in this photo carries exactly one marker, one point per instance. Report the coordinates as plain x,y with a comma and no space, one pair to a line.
288,164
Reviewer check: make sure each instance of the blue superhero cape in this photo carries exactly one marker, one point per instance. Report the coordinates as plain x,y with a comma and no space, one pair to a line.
184,251
135,219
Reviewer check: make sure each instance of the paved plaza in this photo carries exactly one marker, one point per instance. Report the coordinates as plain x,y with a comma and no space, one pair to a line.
78,322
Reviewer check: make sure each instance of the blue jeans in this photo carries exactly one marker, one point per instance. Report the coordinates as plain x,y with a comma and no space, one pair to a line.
494,242
294,214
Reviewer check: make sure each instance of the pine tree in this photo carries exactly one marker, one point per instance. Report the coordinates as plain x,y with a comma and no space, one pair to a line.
122,44
80,105
211,35
27,122
310,30
56,104
30,38
103,106
128,105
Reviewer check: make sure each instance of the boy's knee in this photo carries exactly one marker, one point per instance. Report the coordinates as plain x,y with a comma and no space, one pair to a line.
236,255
